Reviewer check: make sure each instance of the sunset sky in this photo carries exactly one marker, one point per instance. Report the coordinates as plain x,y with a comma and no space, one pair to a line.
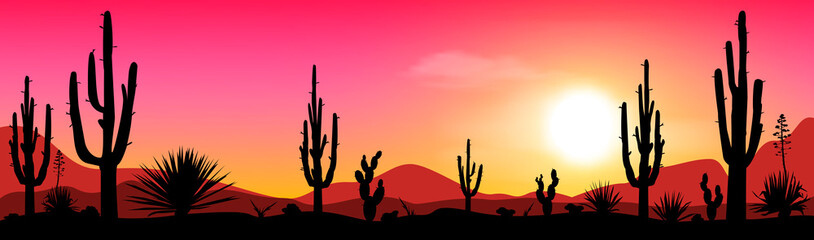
413,79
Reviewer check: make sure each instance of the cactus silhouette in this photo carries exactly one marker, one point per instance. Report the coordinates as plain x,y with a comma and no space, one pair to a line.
647,174
25,170
59,165
712,205
314,175
465,178
541,197
369,207
112,152
735,151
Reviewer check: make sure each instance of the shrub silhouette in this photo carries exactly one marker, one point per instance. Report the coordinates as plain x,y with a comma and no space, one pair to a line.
603,198
647,174
546,201
782,194
261,212
291,209
390,217
782,135
712,205
58,200
314,175
369,206
25,170
181,183
574,209
734,148
112,152
671,207
465,178
503,212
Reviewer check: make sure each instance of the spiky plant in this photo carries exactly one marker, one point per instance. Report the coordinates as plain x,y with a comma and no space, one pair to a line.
603,198
782,193
671,207
410,212
181,182
59,200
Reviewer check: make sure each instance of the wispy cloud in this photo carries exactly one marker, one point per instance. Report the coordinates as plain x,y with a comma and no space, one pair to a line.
456,69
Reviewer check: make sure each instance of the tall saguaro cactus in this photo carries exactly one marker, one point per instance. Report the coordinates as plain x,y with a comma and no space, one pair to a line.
734,148
112,152
25,171
369,207
546,201
647,174
465,178
314,175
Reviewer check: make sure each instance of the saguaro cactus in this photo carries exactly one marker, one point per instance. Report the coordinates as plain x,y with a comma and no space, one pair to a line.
314,175
369,207
25,171
647,174
112,151
712,205
541,197
735,151
465,178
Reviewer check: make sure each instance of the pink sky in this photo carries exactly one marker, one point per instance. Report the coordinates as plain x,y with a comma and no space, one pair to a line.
414,79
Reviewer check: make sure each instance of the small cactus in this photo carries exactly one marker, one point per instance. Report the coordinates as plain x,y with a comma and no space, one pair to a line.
546,201
369,207
712,205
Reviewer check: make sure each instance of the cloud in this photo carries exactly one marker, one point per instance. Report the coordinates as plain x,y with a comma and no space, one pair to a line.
455,69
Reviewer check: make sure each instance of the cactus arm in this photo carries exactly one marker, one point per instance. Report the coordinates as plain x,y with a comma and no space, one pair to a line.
306,169
631,176
46,152
329,176
76,124
14,146
461,177
128,97
374,162
707,192
92,95
477,183
551,187
722,125
719,197
659,148
757,127
378,195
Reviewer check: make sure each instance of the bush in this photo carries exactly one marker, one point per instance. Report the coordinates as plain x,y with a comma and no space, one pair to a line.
671,207
58,200
781,194
180,184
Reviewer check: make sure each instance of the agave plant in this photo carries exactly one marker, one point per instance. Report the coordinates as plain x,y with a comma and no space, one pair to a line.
603,198
181,182
781,194
59,200
671,207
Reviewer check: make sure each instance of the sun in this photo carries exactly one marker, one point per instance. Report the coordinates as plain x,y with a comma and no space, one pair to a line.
580,127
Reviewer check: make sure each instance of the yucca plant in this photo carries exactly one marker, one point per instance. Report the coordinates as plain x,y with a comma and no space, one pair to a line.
59,200
603,198
181,182
782,193
671,207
